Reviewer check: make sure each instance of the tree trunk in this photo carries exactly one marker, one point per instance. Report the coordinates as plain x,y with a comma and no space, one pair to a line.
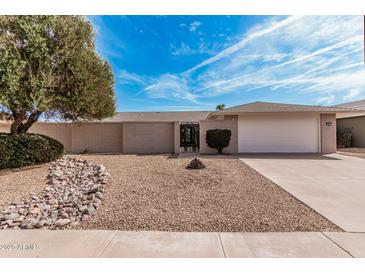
18,127
15,126
18,117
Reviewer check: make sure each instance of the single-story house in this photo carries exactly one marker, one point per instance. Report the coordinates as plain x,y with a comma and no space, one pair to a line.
353,121
258,127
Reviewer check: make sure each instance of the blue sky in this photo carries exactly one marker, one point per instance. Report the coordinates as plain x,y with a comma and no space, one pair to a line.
165,63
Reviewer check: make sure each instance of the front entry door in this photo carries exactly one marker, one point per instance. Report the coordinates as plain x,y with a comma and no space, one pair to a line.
189,137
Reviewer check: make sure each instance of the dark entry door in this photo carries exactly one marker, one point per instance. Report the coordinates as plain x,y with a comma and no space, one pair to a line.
189,135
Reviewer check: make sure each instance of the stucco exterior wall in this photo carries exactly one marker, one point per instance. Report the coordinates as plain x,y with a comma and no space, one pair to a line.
58,131
139,137
164,137
148,137
357,126
328,133
97,138
219,124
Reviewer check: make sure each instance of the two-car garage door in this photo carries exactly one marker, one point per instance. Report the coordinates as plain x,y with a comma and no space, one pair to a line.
278,133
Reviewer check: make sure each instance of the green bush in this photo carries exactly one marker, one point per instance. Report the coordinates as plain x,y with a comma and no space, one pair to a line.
218,138
28,149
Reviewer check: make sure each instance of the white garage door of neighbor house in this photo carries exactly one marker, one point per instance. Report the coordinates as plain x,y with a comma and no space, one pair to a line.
278,133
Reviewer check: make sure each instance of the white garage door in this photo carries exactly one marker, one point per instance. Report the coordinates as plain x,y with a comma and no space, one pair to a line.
278,133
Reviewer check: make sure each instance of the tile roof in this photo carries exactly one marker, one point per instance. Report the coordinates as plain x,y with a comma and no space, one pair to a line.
262,107
355,104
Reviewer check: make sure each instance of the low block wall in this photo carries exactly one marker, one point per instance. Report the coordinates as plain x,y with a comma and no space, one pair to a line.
61,132
218,124
58,131
97,138
148,137
127,137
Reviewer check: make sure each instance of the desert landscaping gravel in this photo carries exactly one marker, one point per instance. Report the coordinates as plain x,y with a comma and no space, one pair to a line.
16,184
157,192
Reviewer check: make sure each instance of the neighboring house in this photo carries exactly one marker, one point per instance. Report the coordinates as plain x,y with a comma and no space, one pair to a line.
354,122
257,127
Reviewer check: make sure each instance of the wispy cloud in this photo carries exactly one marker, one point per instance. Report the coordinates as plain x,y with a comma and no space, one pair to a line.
317,55
302,54
341,44
352,94
325,100
234,48
127,77
171,86
194,26
184,49
165,86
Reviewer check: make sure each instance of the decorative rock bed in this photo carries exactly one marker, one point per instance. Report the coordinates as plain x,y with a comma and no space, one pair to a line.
73,194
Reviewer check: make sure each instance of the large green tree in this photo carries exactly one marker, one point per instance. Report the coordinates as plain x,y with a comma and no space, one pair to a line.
49,66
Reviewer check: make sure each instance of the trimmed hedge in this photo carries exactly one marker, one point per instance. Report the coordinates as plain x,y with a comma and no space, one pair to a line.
28,149
218,138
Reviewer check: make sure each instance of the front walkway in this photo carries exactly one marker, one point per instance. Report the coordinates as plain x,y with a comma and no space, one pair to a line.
109,243
352,151
333,185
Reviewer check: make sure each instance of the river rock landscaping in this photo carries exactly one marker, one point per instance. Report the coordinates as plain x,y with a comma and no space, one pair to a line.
74,192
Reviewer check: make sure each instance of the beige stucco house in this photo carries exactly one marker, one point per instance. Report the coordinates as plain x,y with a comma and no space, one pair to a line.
257,127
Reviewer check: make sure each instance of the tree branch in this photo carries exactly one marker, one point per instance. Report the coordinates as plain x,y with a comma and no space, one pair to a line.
33,117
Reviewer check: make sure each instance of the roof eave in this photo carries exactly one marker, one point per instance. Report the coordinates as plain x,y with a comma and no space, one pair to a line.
221,113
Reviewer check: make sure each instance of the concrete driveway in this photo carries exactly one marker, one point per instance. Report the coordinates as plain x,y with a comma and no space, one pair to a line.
333,185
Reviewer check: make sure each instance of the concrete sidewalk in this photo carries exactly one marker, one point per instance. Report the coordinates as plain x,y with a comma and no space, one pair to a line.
101,243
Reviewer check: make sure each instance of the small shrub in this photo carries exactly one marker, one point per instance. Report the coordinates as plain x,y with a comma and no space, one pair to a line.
218,138
344,138
28,149
195,164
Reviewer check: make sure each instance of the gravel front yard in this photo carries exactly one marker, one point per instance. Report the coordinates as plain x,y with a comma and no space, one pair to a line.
156,192
16,184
